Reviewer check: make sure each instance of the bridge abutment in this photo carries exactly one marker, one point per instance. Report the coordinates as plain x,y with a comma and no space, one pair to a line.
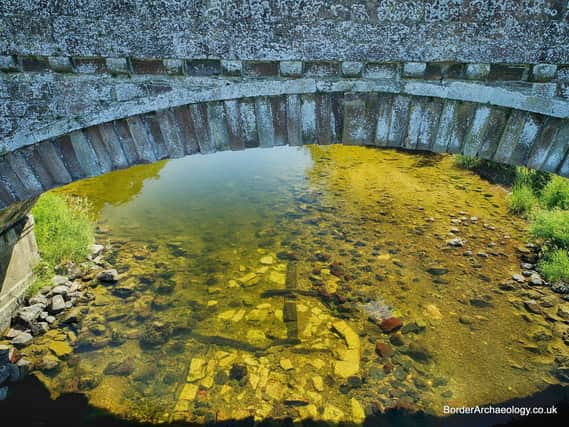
18,257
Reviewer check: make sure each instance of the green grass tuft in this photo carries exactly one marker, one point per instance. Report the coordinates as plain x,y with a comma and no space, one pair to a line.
552,227
64,230
544,199
522,200
466,162
555,266
556,193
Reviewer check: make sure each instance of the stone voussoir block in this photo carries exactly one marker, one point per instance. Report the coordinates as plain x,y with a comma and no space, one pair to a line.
508,72
291,68
414,69
8,63
231,68
544,90
117,66
147,66
260,68
352,69
378,70
60,64
477,71
543,72
89,65
321,69
203,67
34,63
174,66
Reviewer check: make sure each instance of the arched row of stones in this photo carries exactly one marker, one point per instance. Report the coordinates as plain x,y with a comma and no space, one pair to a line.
370,119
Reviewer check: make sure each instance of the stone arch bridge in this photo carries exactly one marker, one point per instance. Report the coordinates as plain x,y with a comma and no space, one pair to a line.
88,86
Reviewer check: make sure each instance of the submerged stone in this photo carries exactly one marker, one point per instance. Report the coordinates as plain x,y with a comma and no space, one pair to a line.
60,348
532,306
383,349
391,324
277,278
121,368
197,369
457,242
358,413
347,333
156,333
238,371
108,276
437,270
332,414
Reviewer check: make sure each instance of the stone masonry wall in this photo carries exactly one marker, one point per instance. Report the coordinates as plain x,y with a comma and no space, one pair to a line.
63,61
18,256
509,31
365,118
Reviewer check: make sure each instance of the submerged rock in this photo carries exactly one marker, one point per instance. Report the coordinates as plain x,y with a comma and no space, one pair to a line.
532,306
332,414
89,381
166,286
108,276
518,278
383,349
457,242
121,368
155,334
391,324
60,348
238,371
125,290
437,270
417,352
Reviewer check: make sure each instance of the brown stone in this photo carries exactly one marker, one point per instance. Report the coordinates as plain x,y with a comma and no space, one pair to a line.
391,324
383,349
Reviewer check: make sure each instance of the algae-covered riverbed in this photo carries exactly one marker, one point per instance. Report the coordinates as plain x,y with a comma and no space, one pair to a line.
321,282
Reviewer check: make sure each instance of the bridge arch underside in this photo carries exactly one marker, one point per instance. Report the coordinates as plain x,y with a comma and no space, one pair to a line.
377,119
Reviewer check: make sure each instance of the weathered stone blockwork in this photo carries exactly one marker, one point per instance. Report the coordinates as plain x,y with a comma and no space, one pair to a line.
368,118
511,31
18,256
43,104
76,75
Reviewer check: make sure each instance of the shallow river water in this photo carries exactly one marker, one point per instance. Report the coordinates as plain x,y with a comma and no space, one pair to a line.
321,282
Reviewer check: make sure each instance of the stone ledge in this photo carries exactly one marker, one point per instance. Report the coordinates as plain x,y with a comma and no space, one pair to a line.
382,114
219,89
257,68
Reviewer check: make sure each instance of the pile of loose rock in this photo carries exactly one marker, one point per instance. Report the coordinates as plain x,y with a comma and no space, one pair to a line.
40,313
43,312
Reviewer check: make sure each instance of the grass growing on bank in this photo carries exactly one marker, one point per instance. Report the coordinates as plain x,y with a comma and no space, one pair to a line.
64,230
543,199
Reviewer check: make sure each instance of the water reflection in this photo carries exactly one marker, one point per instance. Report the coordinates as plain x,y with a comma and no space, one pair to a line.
303,283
